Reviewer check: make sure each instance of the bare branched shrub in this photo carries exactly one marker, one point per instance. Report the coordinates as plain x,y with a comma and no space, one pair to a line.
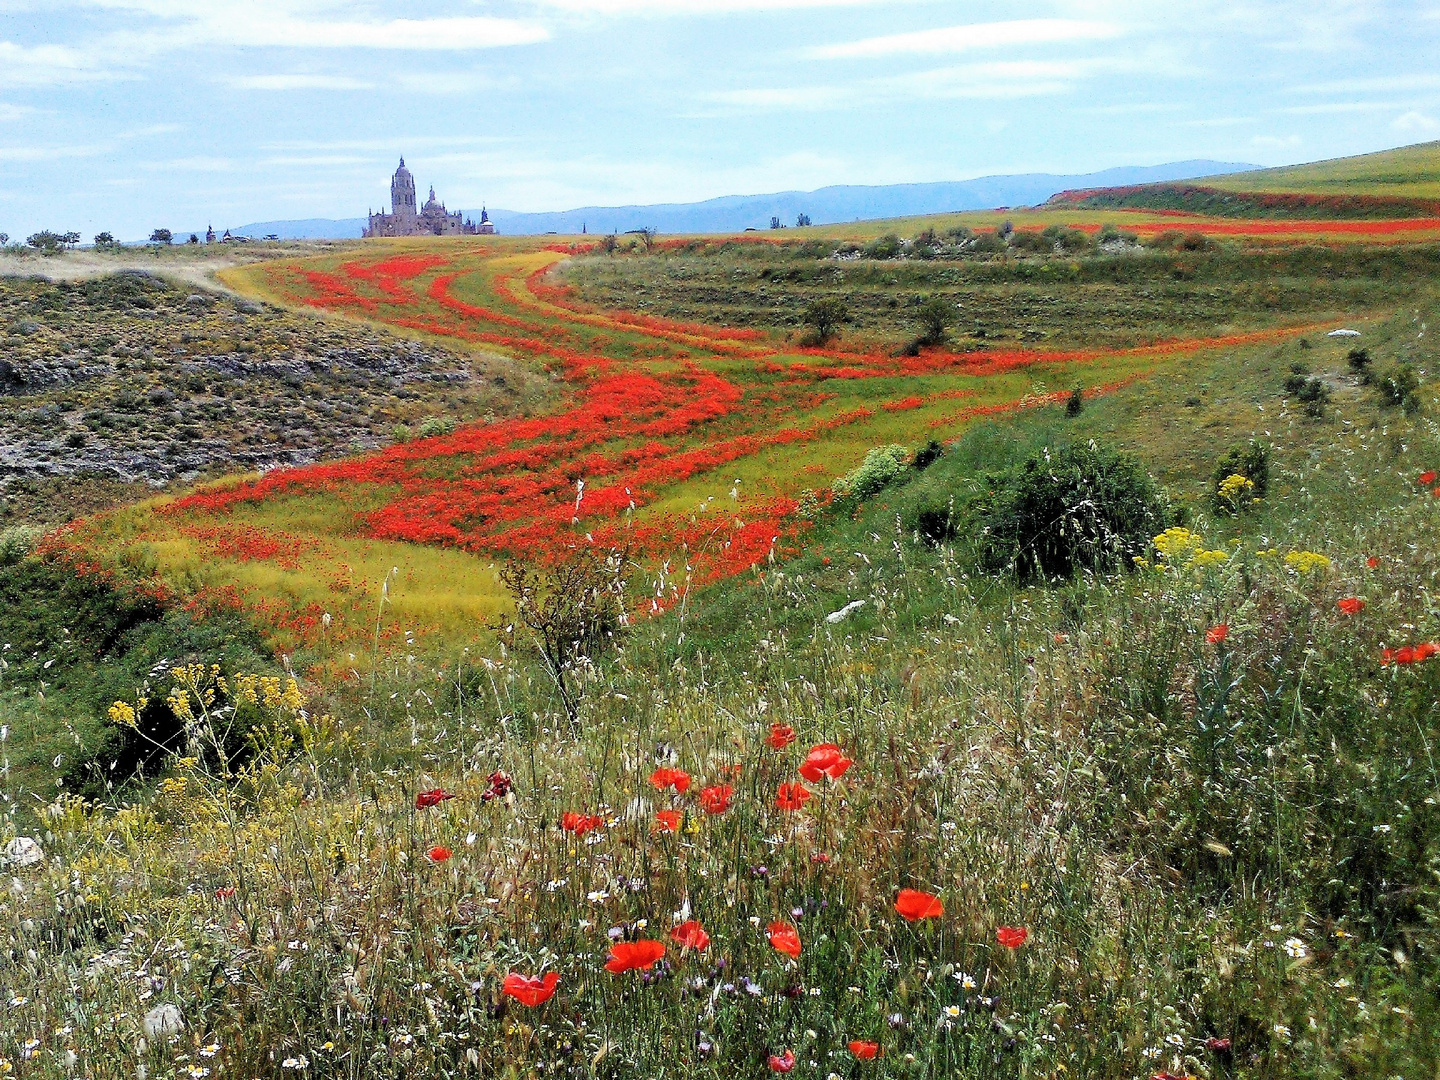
571,608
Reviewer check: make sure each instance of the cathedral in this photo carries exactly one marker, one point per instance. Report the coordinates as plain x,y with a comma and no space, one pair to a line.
432,219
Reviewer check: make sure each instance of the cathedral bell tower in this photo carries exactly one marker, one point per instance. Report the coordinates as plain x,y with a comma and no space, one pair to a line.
402,193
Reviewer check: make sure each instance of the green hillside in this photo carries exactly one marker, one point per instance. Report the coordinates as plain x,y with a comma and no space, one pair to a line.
1406,172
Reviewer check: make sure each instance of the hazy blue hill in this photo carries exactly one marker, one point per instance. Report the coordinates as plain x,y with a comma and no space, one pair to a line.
828,205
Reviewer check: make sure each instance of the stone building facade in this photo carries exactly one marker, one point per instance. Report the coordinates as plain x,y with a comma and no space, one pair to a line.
432,219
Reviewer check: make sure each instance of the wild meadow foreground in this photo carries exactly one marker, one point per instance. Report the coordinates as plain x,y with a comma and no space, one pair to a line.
887,808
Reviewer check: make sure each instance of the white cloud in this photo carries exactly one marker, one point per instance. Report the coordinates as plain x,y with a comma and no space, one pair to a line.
1381,83
953,39
655,8
15,154
10,112
1415,123
297,82
46,65
457,34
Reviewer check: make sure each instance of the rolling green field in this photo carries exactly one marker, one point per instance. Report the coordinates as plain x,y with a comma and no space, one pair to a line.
873,706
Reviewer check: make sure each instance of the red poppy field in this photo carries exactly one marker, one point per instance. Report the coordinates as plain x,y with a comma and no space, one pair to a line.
690,446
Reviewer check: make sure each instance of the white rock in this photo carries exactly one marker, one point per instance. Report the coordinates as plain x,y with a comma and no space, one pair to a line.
163,1020
845,612
23,851
1343,333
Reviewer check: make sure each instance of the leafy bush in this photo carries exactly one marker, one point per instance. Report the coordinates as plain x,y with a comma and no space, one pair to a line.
882,466
1079,508
433,426
1075,403
1400,388
824,317
1251,461
883,247
1360,361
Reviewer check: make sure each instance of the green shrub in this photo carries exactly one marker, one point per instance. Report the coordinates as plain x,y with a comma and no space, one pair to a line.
1248,460
1079,508
1075,403
881,467
18,541
1400,388
433,426
1360,361
927,455
401,433
882,247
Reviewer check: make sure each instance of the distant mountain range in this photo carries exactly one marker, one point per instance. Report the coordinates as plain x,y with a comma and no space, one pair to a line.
825,206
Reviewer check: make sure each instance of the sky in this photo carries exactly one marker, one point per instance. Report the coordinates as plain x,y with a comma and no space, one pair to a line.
128,115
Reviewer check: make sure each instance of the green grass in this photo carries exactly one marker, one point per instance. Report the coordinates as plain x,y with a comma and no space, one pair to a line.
1407,172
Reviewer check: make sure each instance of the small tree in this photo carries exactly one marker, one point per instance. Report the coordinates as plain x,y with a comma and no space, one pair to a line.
647,237
193,239
825,316
105,240
4,239
609,243
162,236
775,222
1360,361
935,317
1075,404
802,221
572,609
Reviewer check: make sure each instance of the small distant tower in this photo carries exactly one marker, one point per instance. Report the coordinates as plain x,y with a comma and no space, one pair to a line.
210,234
402,194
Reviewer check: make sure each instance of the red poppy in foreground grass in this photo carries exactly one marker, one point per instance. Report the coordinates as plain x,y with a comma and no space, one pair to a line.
633,955
225,892
580,824
1217,1045
717,799
912,904
782,1062
1012,937
691,935
679,779
668,820
781,736
528,991
1351,605
439,853
1372,562
1409,654
1427,477
785,938
1216,634
824,760
863,1050
792,796
431,798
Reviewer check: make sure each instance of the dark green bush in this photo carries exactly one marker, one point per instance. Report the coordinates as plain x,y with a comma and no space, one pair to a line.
882,247
1078,508
1250,460
1400,388
1075,404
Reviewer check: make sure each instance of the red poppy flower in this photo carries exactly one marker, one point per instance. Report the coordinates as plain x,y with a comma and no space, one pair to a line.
1425,650
1168,1076
781,736
1372,562
863,1050
1217,1046
782,1062
679,779
439,853
528,991
824,760
785,938
668,820
580,824
717,799
1012,937
1216,634
1427,477
1410,654
792,796
225,892
912,904
431,798
1351,605
630,955
691,935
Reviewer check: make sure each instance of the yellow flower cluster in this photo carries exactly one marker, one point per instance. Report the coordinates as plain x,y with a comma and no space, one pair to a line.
124,714
271,691
1305,562
1181,547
